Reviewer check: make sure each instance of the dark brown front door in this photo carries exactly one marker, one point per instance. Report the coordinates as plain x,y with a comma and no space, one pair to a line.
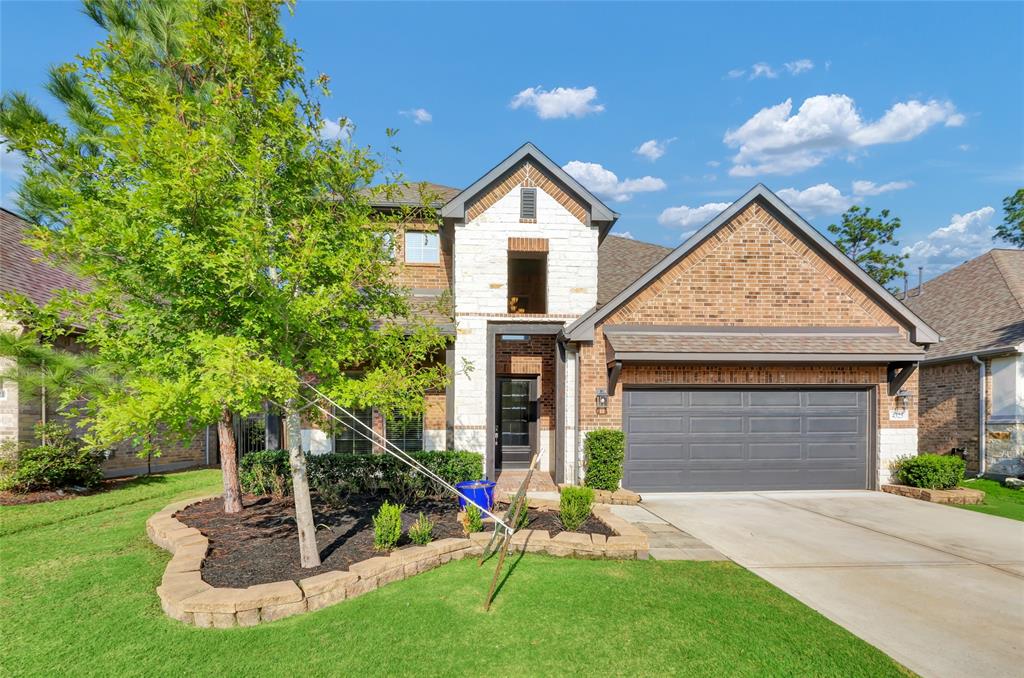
516,421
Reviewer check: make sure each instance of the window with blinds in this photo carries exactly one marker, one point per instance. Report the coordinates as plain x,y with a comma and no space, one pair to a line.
347,441
405,432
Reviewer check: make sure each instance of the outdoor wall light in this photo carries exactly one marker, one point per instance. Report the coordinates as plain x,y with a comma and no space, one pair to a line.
902,400
602,399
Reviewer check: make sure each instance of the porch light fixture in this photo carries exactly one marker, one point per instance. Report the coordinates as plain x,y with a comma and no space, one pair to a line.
601,400
902,400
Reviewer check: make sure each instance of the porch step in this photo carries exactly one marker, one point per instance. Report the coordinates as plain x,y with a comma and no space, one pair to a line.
510,480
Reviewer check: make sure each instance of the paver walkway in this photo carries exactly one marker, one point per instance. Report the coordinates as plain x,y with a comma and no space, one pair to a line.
667,542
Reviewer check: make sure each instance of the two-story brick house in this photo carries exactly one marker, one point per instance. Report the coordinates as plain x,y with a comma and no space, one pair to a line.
753,356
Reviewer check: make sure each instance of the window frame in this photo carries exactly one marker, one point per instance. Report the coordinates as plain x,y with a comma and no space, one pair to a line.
423,249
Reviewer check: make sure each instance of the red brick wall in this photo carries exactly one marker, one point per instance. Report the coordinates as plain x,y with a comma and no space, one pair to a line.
428,276
949,409
752,272
535,357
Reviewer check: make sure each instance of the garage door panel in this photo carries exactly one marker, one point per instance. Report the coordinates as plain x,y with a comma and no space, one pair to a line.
765,439
715,398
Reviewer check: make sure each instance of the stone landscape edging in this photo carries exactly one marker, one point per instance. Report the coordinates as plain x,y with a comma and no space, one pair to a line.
186,597
957,495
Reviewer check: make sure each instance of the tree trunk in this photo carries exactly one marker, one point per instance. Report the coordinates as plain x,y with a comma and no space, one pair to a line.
229,463
309,554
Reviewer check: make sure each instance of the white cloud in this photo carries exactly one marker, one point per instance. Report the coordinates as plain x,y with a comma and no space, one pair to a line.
418,115
862,187
965,147
713,163
799,66
762,70
624,234
604,182
776,141
818,199
688,218
735,73
653,148
561,102
342,129
965,236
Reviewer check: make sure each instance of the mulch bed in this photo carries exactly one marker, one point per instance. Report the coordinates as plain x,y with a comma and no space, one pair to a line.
261,544
41,496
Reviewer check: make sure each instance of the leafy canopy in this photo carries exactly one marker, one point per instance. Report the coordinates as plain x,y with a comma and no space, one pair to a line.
1012,228
231,246
870,242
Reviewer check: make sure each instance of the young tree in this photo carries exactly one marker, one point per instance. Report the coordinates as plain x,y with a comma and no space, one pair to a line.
867,240
1012,228
220,226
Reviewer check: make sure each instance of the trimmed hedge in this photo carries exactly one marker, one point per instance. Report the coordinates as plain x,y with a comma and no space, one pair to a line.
362,473
604,451
63,462
931,471
575,506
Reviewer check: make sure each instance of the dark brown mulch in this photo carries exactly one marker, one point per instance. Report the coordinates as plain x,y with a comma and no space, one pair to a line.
261,544
16,498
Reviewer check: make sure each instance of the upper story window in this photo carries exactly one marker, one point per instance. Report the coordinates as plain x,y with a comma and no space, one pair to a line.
528,204
527,282
422,247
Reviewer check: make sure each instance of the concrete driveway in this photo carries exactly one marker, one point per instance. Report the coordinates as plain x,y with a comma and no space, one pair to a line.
939,589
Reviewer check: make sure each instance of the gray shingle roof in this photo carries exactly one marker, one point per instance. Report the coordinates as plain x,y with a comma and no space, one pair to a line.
620,261
845,344
977,306
412,194
24,270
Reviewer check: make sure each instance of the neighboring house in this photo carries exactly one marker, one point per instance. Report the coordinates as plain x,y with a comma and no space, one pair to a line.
23,271
978,309
754,356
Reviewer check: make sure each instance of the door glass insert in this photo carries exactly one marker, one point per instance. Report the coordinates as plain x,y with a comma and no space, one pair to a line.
515,413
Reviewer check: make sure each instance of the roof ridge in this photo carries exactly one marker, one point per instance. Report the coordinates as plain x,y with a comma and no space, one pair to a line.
1018,294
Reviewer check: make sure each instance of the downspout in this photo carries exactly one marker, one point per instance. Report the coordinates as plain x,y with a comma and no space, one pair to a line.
981,414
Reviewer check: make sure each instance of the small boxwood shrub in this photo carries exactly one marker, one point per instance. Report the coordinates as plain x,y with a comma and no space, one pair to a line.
574,506
62,462
604,451
387,526
422,531
266,472
474,519
932,471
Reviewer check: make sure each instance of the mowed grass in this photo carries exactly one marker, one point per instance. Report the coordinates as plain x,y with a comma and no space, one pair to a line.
77,582
999,500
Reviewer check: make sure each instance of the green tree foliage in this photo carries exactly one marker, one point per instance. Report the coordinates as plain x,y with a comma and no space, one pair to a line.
870,242
234,254
1012,228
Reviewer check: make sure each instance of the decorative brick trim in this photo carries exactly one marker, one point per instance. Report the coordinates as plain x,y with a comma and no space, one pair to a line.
527,244
526,175
186,597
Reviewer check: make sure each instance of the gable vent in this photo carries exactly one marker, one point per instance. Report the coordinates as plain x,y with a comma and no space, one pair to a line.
528,203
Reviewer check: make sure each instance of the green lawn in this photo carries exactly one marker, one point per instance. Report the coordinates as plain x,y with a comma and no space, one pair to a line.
999,500
77,582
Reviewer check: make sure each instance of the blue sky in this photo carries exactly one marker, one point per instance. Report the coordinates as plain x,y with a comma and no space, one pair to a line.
667,111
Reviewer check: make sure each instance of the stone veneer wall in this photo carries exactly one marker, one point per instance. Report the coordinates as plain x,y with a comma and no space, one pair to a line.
481,272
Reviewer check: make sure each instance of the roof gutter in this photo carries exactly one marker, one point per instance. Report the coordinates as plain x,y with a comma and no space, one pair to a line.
981,414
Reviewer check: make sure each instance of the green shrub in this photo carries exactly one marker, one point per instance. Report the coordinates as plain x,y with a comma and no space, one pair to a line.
574,506
266,473
387,526
933,471
62,462
382,473
474,519
422,531
604,451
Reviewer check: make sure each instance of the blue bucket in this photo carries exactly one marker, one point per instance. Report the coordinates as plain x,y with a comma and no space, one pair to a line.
481,492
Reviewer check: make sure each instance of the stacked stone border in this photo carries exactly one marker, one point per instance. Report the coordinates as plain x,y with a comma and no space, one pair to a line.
186,597
958,495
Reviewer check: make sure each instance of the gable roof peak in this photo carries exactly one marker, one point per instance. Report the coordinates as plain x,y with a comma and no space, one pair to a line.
600,214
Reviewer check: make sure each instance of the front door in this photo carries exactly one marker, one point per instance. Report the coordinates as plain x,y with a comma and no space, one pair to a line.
516,422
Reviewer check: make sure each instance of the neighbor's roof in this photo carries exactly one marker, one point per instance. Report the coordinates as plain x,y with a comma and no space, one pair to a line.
977,307
411,194
620,261
583,328
24,270
759,344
